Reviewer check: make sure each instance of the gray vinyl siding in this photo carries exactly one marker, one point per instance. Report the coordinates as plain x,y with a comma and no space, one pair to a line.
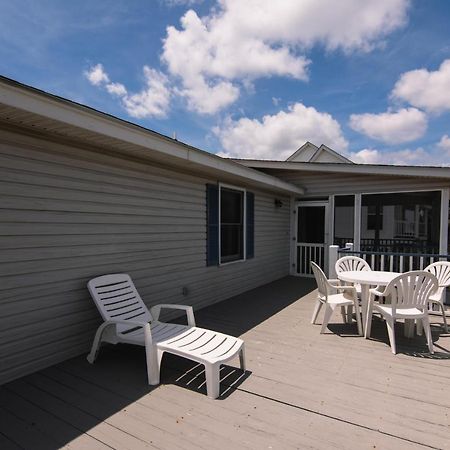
325,183
68,214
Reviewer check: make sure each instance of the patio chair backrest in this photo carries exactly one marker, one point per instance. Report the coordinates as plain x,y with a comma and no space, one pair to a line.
411,290
441,270
323,285
351,263
116,298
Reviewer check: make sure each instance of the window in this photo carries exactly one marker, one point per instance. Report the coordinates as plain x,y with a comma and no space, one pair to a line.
230,224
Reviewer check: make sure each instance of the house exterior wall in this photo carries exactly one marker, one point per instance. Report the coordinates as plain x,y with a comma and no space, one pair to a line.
324,184
69,214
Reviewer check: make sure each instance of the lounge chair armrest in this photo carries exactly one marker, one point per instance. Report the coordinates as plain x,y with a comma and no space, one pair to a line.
155,311
131,323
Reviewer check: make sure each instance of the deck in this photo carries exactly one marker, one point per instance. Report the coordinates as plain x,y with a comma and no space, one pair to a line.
303,390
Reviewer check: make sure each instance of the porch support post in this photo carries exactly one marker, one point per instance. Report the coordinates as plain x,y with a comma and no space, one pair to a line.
292,237
443,239
357,223
332,258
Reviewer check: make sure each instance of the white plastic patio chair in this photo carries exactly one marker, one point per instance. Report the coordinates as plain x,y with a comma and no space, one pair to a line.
329,296
441,270
409,294
127,320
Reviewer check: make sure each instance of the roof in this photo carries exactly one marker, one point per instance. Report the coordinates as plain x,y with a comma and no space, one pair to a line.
350,168
27,109
309,152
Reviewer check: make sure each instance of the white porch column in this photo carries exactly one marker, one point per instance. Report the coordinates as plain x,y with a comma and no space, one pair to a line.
357,223
293,237
332,258
443,239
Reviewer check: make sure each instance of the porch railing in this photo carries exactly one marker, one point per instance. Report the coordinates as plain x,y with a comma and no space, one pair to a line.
388,261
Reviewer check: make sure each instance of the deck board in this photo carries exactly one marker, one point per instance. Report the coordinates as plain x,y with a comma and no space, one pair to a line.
303,389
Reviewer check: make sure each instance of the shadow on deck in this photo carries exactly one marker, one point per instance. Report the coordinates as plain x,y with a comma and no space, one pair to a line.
302,389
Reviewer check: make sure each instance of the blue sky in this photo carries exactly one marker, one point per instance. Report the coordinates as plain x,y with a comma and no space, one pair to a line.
249,79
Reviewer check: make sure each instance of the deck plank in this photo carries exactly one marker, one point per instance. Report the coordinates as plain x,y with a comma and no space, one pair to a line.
303,389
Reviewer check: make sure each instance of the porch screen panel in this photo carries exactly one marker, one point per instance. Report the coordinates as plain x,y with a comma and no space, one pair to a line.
344,213
401,222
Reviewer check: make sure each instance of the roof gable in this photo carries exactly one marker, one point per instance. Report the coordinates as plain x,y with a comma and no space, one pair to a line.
311,153
304,153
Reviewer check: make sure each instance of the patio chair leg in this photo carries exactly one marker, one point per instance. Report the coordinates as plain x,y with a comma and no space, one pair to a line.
344,314
349,314
390,324
358,320
212,372
427,329
368,322
444,318
419,327
242,358
326,318
317,308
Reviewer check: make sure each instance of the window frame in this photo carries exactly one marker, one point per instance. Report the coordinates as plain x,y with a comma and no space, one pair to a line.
244,223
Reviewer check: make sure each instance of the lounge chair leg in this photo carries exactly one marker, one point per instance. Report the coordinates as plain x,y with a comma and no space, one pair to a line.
96,344
316,311
212,372
152,365
427,329
326,318
390,324
242,358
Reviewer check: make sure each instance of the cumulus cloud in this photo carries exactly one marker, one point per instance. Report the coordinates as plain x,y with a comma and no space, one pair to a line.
152,101
278,136
97,75
425,89
406,157
259,38
397,127
444,143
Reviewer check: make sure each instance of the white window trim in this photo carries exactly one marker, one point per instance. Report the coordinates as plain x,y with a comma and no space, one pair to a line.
244,224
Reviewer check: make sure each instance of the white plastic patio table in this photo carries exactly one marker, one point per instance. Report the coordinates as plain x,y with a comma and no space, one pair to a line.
366,279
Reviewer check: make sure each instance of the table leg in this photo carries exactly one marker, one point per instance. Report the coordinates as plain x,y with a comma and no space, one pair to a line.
364,306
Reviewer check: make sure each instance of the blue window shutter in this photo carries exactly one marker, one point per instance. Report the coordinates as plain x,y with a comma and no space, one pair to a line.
212,225
250,214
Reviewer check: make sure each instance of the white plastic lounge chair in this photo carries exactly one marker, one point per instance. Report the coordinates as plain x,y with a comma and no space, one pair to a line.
441,270
327,296
127,320
409,296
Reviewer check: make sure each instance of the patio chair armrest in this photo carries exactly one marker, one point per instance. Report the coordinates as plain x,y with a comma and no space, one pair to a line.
155,311
346,288
334,282
375,291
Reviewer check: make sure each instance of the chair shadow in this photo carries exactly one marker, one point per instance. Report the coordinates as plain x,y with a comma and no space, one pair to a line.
190,375
415,346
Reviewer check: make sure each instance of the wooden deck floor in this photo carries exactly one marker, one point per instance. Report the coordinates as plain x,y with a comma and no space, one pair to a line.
305,390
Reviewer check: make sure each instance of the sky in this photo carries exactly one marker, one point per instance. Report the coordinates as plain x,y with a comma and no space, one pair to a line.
249,79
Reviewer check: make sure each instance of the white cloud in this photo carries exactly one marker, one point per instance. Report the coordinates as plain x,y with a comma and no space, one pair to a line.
279,135
97,75
152,101
241,40
425,89
397,127
444,143
406,157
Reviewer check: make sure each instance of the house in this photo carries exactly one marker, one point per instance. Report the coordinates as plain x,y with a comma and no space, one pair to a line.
84,193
